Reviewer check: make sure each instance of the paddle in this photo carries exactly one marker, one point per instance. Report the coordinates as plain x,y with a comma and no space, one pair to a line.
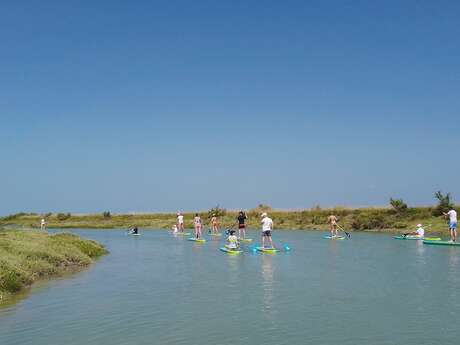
346,233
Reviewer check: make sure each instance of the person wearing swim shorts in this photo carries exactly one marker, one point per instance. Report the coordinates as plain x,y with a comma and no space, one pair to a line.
241,224
452,214
267,228
180,222
197,224
332,220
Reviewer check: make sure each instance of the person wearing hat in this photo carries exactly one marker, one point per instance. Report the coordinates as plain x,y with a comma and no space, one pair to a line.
419,232
180,222
267,228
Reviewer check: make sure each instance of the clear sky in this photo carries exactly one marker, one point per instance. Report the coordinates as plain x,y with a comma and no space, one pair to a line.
182,105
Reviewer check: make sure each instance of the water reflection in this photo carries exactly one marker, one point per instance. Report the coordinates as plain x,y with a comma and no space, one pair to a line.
267,285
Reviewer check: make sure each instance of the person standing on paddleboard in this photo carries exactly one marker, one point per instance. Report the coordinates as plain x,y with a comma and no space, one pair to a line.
241,224
197,224
452,214
332,220
267,228
214,224
180,221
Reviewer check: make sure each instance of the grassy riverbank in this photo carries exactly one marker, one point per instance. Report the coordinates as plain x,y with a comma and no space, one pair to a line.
26,256
361,219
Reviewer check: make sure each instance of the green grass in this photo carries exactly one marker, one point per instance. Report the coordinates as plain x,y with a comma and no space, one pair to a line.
26,256
365,219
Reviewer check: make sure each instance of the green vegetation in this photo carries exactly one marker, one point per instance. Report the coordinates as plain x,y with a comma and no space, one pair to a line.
26,256
392,218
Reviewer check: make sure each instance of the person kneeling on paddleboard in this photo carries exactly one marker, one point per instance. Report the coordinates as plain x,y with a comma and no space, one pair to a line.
232,241
267,228
135,231
419,232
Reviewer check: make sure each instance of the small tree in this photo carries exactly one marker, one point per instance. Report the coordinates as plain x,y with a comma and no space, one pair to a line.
444,203
398,205
106,215
217,211
63,216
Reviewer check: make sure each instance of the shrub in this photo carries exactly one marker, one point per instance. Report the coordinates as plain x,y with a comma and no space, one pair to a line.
63,216
106,215
444,203
217,211
398,205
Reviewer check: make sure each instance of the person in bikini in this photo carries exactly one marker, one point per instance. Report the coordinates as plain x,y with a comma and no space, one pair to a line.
197,224
332,220
214,224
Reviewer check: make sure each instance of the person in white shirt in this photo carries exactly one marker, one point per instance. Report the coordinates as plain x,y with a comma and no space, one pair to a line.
267,228
232,241
43,224
419,232
180,222
452,214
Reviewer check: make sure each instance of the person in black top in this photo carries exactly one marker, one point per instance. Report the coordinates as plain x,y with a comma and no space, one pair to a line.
241,224
135,231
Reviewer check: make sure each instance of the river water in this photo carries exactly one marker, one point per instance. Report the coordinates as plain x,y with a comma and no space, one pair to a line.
160,289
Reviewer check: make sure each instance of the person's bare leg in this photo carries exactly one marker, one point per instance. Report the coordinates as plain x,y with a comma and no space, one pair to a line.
263,241
271,241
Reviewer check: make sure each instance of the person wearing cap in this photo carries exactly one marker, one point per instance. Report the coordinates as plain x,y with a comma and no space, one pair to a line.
452,214
419,232
180,222
267,228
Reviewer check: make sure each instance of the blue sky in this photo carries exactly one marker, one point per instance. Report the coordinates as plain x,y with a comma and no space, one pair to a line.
168,105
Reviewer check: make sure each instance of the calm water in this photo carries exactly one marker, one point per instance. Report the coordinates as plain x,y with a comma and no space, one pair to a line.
157,289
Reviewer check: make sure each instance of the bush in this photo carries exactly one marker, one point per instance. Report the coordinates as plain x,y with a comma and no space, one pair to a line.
63,216
217,211
398,205
444,203
106,215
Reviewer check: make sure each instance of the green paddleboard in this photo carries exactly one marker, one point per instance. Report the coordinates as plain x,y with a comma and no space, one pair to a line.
442,243
417,238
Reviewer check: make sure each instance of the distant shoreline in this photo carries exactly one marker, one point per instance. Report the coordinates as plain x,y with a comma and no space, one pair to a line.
382,219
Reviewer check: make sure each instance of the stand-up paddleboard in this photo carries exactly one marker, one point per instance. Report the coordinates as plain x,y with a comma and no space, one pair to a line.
198,240
267,250
134,234
329,237
218,234
182,233
230,251
442,243
417,238
245,240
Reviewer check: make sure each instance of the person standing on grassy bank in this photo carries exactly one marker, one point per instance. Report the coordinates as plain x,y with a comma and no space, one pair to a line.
452,214
43,224
332,220
267,228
